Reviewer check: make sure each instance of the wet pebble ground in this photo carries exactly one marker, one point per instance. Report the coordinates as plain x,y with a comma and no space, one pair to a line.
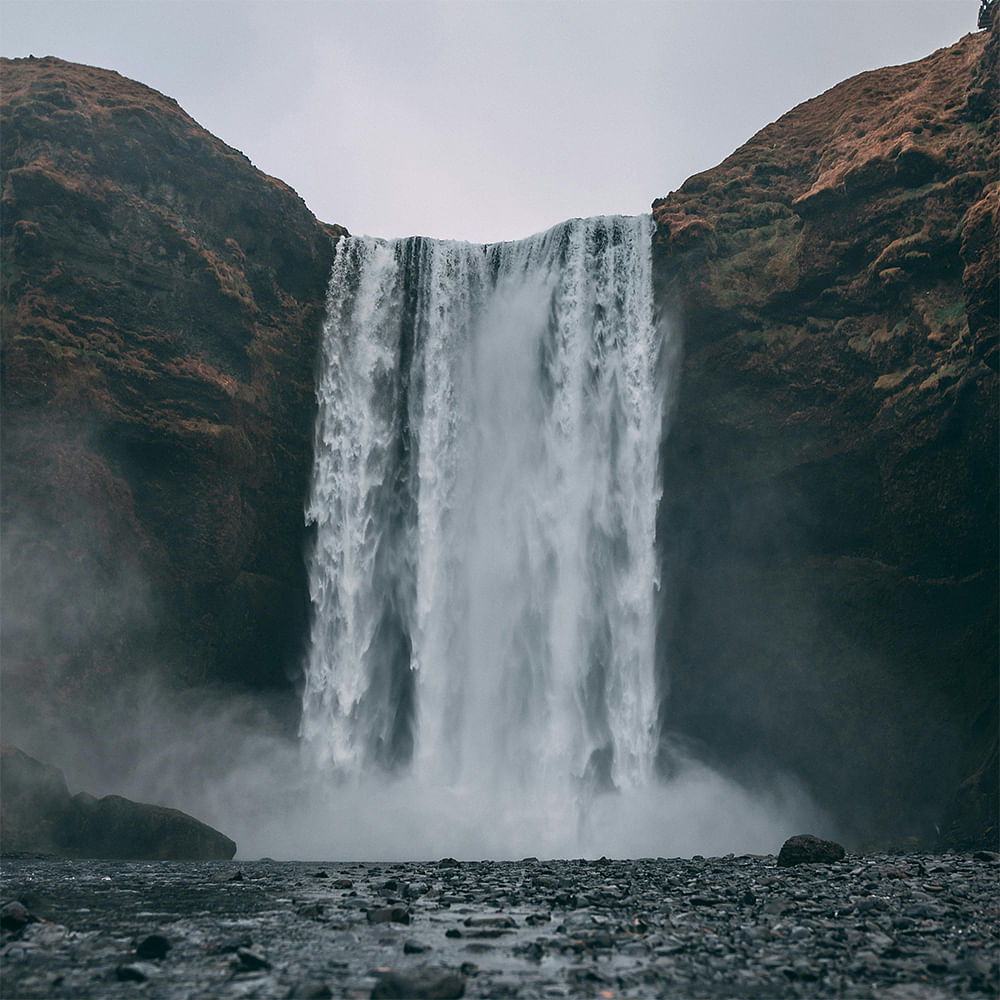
900,927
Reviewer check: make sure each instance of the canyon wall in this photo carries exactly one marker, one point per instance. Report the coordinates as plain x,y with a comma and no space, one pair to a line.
161,306
829,528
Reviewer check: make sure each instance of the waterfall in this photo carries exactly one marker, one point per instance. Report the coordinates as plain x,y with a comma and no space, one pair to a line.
484,495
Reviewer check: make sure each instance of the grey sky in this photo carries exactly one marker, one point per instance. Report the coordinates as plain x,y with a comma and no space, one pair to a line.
484,120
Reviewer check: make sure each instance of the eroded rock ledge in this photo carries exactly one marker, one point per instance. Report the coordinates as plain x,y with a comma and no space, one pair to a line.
40,817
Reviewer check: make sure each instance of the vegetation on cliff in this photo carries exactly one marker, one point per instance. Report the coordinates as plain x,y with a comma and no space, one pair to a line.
830,519
161,305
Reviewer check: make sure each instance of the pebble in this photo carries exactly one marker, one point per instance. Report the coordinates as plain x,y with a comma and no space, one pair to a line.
154,946
902,927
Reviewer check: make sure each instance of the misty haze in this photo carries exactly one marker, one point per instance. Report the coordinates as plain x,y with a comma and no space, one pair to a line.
605,611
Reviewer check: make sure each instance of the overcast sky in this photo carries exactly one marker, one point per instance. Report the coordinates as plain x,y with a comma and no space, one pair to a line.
484,119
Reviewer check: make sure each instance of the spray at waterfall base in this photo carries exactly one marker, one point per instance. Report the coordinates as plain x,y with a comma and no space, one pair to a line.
482,678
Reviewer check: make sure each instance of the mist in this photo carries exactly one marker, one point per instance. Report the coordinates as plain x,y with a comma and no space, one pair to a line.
226,759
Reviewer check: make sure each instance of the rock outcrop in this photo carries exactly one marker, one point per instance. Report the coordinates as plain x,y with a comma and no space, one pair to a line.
829,526
806,849
38,816
161,305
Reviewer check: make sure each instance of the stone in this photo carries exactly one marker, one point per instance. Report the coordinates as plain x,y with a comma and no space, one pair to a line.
155,946
808,849
39,814
389,914
15,915
316,990
498,921
135,972
35,804
249,961
821,948
424,984
233,944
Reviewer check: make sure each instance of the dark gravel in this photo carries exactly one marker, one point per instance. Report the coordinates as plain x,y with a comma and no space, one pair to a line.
901,927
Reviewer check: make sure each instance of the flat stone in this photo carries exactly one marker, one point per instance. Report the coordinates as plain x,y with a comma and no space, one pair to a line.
389,914
424,984
249,961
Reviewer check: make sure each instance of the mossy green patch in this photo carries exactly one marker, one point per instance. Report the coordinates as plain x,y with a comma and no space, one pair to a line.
950,314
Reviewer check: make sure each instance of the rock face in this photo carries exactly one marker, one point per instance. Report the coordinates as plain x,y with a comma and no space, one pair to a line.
39,816
829,526
161,304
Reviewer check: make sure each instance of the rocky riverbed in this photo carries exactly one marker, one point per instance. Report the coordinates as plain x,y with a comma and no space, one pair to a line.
905,927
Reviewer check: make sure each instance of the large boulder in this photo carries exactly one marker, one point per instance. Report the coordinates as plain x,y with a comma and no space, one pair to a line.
114,827
39,816
35,805
807,849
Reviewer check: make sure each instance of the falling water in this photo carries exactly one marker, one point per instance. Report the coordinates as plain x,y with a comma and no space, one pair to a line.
484,493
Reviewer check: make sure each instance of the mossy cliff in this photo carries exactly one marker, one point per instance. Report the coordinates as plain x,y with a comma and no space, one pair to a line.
829,528
161,306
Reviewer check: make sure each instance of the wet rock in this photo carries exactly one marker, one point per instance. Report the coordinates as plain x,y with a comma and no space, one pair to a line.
155,946
424,984
116,827
389,914
498,921
249,961
653,941
233,944
15,915
38,813
135,972
991,856
311,991
807,849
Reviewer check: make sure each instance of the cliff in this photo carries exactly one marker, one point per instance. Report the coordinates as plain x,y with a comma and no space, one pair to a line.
829,527
161,304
